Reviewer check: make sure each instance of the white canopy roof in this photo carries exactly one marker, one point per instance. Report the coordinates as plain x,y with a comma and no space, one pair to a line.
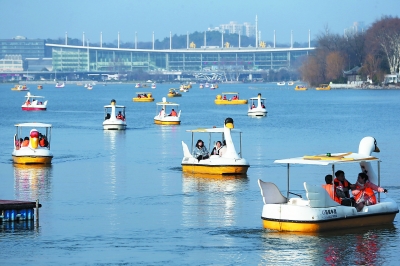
212,130
32,125
167,103
323,159
116,106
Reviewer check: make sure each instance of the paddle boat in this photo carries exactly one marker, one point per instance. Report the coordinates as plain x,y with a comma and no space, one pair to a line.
32,103
20,88
174,93
183,89
39,87
137,85
114,116
207,85
256,106
318,211
300,88
32,146
229,162
212,87
229,98
290,83
60,85
143,97
323,87
153,85
201,86
164,107
282,83
89,86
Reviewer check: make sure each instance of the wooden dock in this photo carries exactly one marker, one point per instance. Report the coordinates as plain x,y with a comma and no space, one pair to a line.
15,210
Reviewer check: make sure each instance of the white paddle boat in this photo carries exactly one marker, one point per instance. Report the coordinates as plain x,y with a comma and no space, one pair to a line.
319,212
229,163
33,104
256,106
174,114
115,118
32,146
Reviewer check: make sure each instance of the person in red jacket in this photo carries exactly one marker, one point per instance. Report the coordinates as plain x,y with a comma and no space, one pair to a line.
329,186
364,192
342,187
173,113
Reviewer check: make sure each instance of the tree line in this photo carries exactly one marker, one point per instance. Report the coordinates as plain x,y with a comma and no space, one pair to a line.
376,51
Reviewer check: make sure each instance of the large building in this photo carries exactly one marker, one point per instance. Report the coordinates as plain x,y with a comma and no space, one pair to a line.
26,48
67,58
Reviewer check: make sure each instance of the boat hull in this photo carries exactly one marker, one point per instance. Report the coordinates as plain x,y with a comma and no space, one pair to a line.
143,99
163,122
34,108
230,102
215,169
298,217
32,159
114,127
174,95
257,112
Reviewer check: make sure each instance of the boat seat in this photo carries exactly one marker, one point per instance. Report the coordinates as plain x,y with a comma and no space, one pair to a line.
271,193
319,197
186,152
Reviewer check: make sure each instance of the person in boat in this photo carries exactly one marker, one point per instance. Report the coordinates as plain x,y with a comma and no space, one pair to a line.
145,95
217,148
120,116
224,97
18,143
341,188
223,148
329,186
253,106
173,113
262,105
200,151
363,191
162,112
43,141
25,143
139,96
28,102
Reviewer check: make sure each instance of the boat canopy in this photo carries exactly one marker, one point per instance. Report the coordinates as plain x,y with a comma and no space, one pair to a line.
230,93
256,98
147,92
328,159
116,106
33,125
212,130
167,103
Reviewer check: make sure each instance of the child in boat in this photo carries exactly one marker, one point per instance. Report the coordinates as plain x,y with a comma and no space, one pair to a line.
364,192
329,186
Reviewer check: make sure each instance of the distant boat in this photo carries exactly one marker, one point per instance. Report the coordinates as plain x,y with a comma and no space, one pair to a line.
290,83
60,85
281,83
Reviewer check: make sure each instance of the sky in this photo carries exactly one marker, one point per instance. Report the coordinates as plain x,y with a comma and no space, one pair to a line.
44,19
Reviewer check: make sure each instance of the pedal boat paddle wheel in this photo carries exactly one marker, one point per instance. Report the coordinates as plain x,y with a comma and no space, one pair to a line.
318,212
230,163
33,150
115,118
257,106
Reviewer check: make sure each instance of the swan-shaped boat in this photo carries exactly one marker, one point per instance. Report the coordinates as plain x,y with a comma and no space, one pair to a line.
153,85
138,85
256,106
33,104
229,98
143,97
114,120
32,146
318,212
60,85
229,163
165,113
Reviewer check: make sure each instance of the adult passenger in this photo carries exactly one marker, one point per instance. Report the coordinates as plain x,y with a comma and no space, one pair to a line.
217,148
342,187
364,191
329,186
25,143
173,113
200,152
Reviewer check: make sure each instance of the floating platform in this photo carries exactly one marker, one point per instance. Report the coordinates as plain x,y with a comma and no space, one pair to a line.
15,210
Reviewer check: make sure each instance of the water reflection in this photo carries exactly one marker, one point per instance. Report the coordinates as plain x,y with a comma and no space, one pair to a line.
32,181
210,200
364,246
116,146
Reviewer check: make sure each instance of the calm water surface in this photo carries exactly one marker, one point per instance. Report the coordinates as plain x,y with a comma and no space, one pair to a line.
121,198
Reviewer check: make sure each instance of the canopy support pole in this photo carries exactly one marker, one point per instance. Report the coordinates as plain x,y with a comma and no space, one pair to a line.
287,196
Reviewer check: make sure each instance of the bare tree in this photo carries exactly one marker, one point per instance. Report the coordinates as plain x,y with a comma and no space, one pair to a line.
335,64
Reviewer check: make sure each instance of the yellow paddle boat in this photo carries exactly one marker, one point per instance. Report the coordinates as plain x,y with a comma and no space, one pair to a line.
32,146
174,93
20,88
229,98
39,87
300,88
317,211
143,97
225,161
323,87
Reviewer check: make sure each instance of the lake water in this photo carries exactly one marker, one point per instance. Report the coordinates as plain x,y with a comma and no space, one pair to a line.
120,197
